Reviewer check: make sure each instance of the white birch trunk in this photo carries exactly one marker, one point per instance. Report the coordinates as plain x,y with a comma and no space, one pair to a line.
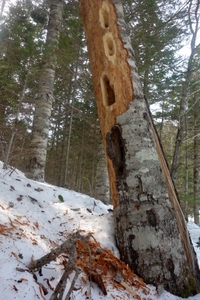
150,228
43,104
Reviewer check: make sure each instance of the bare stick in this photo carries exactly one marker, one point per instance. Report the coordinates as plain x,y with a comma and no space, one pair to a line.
66,246
77,272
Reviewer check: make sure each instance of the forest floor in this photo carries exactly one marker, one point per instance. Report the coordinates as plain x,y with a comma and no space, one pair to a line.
38,217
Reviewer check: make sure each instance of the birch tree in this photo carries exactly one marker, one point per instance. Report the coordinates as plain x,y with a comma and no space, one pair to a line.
149,225
43,103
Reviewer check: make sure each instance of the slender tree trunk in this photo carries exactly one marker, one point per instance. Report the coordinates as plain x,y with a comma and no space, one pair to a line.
186,173
68,146
149,225
15,123
70,126
82,162
183,102
2,7
196,174
102,188
43,105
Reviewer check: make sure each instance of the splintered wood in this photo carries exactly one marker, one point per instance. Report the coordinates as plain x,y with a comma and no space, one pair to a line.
100,265
104,268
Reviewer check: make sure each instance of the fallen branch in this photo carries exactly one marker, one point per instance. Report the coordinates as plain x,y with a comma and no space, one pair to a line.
67,246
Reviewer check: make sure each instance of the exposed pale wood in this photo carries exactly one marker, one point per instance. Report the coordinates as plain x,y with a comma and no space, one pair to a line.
105,72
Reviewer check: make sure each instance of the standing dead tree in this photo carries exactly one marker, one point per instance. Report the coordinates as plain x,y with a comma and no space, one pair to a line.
150,229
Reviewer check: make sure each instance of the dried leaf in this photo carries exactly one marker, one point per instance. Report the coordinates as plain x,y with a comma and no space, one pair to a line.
22,279
4,229
15,255
84,280
2,207
34,242
54,244
36,224
21,223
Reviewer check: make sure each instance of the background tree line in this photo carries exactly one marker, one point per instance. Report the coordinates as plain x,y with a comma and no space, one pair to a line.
170,81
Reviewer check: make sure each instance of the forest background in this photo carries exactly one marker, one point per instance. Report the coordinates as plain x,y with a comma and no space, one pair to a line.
159,31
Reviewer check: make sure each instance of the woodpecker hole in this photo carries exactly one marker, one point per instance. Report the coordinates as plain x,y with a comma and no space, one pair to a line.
109,46
107,91
104,16
116,150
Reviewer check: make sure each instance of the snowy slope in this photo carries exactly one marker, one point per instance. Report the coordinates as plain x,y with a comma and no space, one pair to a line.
35,218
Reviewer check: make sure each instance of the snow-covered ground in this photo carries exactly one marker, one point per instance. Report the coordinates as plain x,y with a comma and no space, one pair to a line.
37,217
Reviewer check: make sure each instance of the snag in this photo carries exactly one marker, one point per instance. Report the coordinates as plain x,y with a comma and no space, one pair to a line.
150,229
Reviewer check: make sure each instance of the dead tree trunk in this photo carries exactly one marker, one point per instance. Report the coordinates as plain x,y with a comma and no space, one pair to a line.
150,228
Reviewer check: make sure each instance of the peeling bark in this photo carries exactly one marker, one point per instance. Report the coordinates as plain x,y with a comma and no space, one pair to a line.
150,228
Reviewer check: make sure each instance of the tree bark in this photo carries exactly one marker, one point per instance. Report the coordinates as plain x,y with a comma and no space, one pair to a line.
43,105
186,173
102,187
196,171
150,228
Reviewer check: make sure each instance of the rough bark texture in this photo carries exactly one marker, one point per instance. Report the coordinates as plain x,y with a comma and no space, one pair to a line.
150,229
102,187
43,105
